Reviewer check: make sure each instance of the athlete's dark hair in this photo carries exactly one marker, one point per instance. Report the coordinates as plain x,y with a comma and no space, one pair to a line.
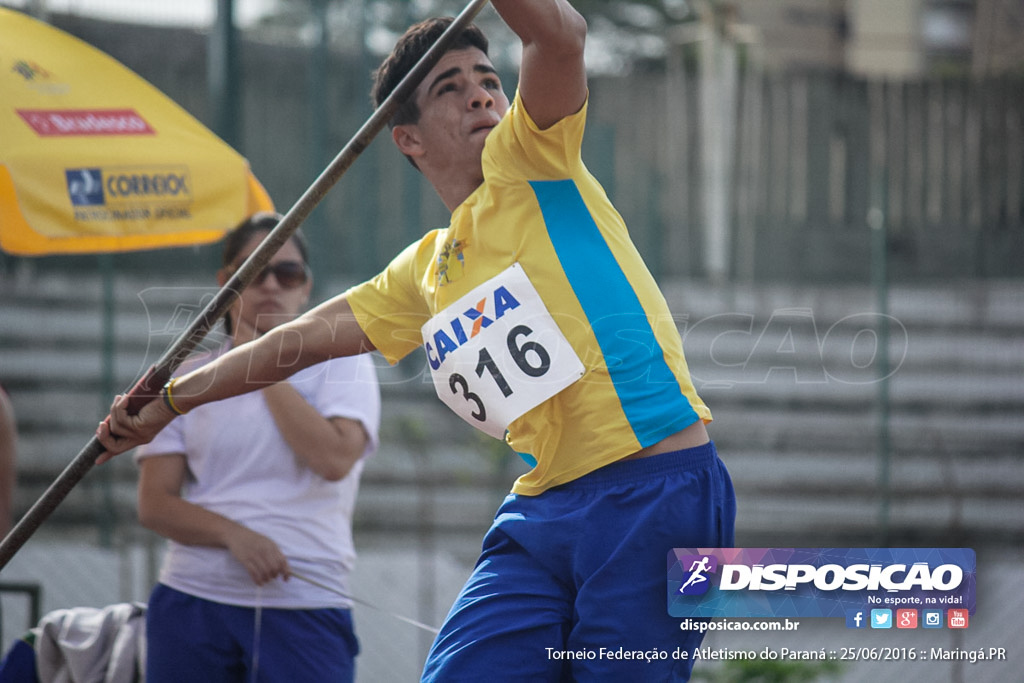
413,44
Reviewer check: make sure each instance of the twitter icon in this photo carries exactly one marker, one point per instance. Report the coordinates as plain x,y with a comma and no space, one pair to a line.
881,618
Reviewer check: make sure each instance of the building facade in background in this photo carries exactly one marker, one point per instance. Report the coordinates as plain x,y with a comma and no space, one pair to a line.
896,40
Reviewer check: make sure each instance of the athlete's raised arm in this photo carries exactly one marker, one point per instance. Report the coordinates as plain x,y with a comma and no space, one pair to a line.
552,78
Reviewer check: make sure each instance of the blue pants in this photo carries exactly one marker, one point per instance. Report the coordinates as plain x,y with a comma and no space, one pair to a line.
191,639
583,567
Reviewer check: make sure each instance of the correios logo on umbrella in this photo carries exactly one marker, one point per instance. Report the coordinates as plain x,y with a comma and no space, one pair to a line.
128,185
134,193
85,186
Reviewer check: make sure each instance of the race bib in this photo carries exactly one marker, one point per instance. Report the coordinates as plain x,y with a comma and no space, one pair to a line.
496,353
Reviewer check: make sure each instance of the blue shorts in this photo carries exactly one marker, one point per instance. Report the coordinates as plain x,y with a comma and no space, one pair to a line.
192,639
583,567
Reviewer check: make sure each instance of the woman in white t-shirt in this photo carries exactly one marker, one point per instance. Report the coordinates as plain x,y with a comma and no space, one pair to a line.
253,488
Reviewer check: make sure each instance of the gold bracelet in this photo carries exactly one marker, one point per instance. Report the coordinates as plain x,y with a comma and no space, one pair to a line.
169,398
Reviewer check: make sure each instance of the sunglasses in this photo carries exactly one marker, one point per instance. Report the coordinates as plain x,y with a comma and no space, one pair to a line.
289,274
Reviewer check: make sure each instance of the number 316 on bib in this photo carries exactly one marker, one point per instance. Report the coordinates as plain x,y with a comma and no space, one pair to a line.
496,353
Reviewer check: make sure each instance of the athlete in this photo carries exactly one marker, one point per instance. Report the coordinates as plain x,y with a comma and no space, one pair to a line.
540,324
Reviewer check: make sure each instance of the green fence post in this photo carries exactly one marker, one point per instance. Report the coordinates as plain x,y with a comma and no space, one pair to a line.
880,285
222,75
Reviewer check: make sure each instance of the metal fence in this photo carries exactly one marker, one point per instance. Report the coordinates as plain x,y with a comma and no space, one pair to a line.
776,184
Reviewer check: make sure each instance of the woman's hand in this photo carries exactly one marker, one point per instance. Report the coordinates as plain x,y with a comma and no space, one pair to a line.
258,554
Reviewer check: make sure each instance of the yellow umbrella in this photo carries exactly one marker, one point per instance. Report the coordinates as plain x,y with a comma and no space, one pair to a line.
95,159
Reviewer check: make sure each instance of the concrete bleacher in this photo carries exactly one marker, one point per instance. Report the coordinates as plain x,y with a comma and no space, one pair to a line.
791,374
797,419
800,418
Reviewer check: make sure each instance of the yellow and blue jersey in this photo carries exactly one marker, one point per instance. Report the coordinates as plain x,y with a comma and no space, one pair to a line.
539,207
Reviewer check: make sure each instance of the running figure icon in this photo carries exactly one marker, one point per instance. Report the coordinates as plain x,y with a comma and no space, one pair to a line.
697,570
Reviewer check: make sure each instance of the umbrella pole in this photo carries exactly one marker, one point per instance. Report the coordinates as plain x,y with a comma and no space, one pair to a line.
148,388
106,520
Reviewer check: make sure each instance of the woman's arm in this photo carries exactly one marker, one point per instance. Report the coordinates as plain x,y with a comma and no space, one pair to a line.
328,446
163,510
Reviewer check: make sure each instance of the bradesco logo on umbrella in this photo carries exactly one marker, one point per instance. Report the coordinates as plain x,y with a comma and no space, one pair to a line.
817,582
60,122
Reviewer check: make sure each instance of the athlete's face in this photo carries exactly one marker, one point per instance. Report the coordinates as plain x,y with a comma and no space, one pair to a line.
460,102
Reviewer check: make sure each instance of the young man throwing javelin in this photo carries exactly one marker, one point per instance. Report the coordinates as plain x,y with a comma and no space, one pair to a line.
540,323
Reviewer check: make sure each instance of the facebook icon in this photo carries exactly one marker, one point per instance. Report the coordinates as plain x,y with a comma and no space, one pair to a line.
855,618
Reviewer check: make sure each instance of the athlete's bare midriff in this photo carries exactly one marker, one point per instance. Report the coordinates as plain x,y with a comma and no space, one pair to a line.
691,437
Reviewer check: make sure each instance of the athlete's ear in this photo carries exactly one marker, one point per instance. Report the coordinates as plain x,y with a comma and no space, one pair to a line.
407,139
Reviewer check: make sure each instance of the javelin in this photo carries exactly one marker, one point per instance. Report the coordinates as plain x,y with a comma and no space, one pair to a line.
413,622
148,388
